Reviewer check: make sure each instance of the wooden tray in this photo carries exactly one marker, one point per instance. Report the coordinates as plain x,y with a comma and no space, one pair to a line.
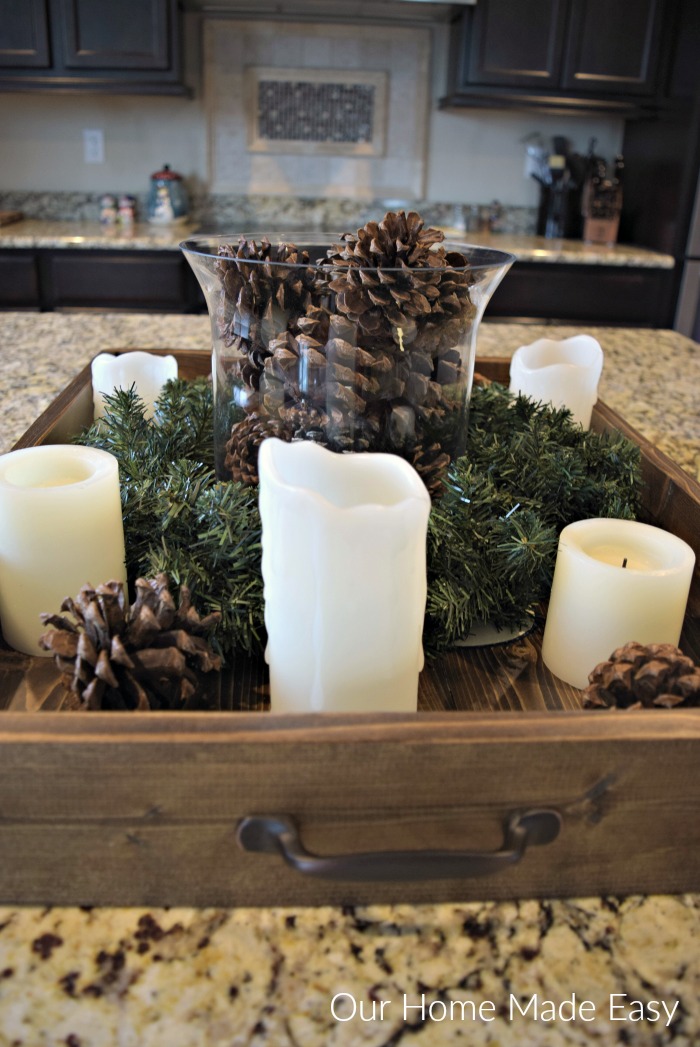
151,808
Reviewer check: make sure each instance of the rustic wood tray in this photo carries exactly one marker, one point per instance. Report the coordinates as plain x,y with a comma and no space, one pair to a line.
148,808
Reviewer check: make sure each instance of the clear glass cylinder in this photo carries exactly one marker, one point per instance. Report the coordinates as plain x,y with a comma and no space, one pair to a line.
318,339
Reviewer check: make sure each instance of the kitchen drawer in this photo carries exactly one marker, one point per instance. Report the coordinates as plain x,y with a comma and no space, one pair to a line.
115,279
500,762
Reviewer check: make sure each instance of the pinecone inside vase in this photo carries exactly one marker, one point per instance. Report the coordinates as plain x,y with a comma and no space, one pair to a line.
638,676
147,656
244,443
264,288
361,353
393,277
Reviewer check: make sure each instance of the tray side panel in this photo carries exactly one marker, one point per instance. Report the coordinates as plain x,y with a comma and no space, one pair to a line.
130,819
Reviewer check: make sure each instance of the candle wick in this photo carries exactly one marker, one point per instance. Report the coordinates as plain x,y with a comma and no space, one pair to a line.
624,562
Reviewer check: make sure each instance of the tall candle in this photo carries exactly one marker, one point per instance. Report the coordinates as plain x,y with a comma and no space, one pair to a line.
344,571
614,581
147,372
562,373
60,528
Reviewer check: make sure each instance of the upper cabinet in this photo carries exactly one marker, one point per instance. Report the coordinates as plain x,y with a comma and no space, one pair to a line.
576,55
99,45
613,46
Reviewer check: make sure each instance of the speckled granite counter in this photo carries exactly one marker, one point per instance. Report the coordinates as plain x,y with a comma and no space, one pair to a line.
651,377
139,237
549,973
33,233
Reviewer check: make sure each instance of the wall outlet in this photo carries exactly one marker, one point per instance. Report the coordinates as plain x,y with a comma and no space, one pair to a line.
93,146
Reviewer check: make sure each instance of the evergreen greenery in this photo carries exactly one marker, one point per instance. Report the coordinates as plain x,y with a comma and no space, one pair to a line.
492,537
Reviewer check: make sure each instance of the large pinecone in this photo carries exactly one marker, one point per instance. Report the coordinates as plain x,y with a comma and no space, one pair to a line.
244,443
636,676
399,286
146,656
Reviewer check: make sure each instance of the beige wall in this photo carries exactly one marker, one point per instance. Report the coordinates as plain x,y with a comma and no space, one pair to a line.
473,155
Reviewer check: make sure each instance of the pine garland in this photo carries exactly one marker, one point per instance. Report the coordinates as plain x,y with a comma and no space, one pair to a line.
492,537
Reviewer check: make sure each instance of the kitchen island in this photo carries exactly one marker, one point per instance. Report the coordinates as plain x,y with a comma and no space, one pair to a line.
214,977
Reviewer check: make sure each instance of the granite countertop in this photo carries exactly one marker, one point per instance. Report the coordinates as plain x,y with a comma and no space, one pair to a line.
650,377
527,248
141,236
47,233
291,977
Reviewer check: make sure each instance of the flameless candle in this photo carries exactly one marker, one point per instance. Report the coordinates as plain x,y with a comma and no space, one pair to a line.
60,528
148,372
615,581
563,373
344,571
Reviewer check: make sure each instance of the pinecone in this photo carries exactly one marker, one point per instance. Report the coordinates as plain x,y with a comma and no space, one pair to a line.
305,422
431,465
244,443
146,656
637,676
390,279
260,297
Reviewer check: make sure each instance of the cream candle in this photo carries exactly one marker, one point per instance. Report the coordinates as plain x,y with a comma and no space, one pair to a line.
148,372
60,528
614,581
344,571
563,373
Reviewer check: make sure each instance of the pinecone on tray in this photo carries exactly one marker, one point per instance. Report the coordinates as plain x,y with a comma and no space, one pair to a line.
148,656
635,676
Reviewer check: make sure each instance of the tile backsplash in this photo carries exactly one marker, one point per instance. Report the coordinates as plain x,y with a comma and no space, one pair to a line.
383,73
231,213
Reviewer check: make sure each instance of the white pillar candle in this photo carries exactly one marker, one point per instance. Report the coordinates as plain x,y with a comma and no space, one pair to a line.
615,581
562,373
344,571
148,372
60,529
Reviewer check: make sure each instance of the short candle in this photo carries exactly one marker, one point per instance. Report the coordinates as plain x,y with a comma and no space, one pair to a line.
60,528
615,581
563,373
147,372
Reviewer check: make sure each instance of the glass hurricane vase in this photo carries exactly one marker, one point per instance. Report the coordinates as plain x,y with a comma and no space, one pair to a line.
364,343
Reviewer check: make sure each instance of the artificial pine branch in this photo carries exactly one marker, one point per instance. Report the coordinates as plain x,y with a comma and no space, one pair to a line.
492,537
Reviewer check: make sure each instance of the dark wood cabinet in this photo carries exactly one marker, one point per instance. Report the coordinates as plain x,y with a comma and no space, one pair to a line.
115,279
613,45
76,45
559,55
24,34
162,281
19,280
592,294
64,278
516,43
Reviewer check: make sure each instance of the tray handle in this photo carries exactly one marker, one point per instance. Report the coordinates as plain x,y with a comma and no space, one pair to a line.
279,834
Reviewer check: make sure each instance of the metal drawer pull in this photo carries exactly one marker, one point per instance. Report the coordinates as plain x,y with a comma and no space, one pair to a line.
280,835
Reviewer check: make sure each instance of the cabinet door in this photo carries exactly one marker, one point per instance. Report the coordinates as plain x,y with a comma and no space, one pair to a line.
24,38
613,45
19,280
516,42
102,34
118,280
